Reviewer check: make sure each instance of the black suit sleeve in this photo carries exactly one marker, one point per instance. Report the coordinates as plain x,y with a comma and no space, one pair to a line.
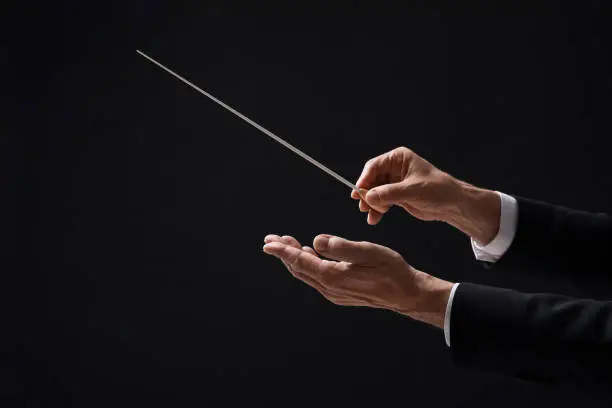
559,242
536,337
542,337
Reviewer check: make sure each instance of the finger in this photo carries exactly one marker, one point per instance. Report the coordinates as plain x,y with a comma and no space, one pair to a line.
271,238
289,240
363,206
373,168
285,239
340,249
375,206
388,194
374,217
310,250
359,194
275,238
298,260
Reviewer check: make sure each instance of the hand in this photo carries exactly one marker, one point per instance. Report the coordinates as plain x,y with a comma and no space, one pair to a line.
363,274
401,177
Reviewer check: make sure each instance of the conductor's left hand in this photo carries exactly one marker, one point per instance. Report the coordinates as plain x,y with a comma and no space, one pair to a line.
358,274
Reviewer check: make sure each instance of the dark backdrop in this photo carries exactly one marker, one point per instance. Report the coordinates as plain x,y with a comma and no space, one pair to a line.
136,208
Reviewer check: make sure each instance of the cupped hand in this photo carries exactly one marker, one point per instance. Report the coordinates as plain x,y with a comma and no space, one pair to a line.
356,274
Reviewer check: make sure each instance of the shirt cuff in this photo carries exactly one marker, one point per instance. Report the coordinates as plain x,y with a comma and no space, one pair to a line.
507,230
448,313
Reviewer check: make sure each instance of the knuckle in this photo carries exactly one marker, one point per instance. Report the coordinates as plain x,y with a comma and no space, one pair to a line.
288,266
289,240
405,150
342,269
331,266
396,256
296,261
309,250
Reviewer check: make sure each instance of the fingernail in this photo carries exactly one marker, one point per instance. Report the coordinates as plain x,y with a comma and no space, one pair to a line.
323,242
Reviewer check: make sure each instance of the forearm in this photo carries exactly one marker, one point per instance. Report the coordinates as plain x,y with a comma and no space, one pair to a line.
474,211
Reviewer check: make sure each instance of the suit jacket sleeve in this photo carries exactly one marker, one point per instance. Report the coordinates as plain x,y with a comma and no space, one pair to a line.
559,242
542,337
537,337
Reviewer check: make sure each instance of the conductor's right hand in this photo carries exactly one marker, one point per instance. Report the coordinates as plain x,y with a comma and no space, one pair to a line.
403,178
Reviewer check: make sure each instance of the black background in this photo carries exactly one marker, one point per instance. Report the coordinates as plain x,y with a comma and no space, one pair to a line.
135,208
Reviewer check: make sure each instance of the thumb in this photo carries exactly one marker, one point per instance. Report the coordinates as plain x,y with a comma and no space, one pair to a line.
340,249
387,194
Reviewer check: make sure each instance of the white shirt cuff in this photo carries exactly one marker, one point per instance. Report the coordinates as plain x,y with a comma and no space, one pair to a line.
447,315
507,229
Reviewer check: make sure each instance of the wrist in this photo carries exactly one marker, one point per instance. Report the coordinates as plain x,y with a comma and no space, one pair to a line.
432,300
476,212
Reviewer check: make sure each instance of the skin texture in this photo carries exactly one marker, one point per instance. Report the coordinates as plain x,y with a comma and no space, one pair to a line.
359,273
